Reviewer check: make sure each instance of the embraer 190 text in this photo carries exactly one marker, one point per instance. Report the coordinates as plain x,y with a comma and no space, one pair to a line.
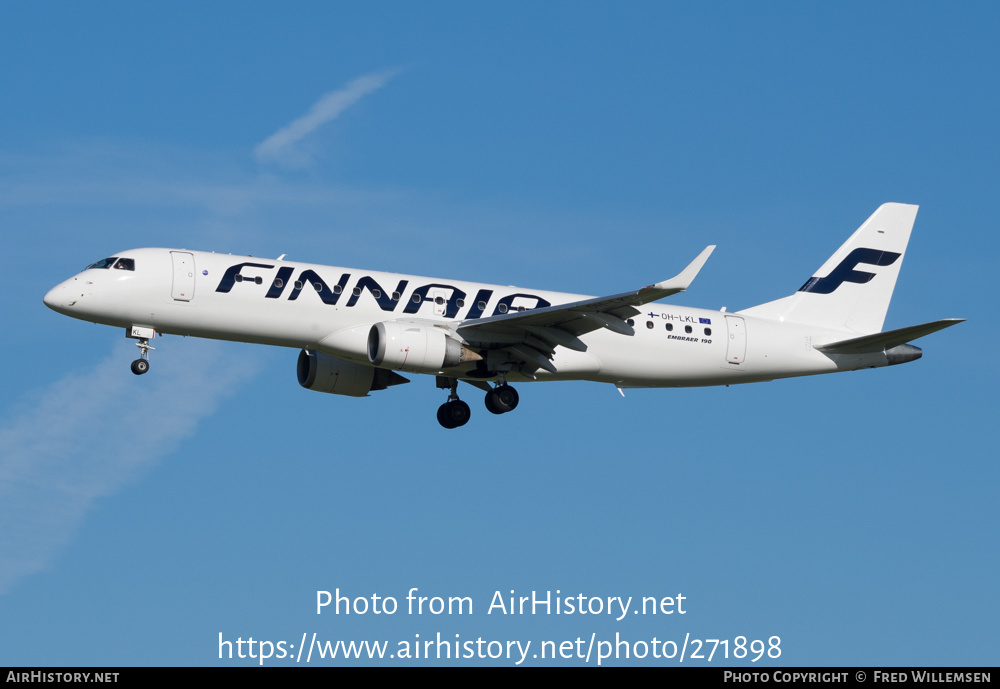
357,328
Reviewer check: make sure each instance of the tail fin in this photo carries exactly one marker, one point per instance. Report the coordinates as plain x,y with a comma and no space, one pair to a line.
851,291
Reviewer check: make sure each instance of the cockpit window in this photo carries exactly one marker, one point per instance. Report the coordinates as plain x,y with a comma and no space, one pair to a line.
118,263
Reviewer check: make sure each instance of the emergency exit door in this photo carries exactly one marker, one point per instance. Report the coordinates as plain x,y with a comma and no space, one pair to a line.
737,347
183,288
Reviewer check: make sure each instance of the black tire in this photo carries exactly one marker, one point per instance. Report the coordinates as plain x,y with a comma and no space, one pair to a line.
508,397
454,414
443,417
501,399
460,413
491,403
140,366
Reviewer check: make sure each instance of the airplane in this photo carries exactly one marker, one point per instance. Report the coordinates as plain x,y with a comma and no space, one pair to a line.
358,329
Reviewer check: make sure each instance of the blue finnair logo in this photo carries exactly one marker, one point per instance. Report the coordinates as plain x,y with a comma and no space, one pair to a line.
413,299
845,272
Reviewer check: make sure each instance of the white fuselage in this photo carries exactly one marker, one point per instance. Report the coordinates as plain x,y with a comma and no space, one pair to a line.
331,310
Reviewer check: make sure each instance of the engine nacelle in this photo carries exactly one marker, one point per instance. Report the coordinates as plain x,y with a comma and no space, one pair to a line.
323,373
414,348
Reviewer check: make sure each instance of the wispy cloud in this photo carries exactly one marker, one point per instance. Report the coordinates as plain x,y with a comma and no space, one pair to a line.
85,436
280,146
106,174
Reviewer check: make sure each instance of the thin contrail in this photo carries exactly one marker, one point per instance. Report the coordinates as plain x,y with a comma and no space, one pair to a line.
83,437
280,145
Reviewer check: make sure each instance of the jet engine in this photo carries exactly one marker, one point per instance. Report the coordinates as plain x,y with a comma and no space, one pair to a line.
415,348
325,373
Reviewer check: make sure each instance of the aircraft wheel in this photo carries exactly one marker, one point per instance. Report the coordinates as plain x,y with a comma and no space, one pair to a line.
508,397
140,366
504,399
443,415
454,414
501,399
491,402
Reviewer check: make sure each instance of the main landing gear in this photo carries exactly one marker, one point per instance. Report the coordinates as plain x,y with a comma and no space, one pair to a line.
454,413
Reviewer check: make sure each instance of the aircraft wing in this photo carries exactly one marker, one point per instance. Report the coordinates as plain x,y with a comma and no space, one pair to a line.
532,336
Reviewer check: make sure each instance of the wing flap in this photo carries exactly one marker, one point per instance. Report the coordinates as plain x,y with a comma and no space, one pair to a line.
557,336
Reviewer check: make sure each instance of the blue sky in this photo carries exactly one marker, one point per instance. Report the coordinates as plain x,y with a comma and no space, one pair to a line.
585,147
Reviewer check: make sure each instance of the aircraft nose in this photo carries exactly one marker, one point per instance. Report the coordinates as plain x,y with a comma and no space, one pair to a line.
51,298
59,298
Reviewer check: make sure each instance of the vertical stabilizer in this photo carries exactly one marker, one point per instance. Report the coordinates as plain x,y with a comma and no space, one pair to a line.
851,291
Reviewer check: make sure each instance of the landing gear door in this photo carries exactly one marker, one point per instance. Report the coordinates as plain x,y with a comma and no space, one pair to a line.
737,347
183,288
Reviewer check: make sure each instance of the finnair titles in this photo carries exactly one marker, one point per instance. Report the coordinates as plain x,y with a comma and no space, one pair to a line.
357,329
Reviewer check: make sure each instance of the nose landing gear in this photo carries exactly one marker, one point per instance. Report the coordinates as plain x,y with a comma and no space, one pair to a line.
141,365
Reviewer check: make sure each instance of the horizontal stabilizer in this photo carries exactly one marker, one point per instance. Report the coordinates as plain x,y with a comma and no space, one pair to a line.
887,340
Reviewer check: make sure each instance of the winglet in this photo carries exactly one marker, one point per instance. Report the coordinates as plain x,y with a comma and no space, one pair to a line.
682,280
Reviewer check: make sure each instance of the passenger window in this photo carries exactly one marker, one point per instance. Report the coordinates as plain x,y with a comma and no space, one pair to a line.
670,326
